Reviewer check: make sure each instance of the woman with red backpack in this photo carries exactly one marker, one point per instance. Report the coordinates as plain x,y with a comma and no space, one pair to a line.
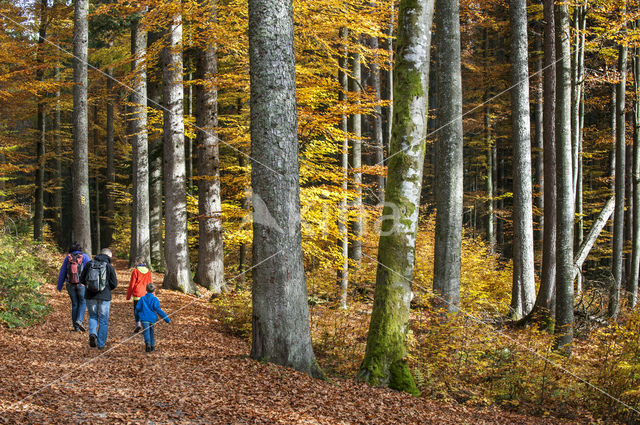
70,273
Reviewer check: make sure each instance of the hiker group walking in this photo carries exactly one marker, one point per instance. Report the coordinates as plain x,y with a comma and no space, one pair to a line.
89,284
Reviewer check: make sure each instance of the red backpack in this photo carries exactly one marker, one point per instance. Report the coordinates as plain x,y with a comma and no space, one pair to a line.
74,268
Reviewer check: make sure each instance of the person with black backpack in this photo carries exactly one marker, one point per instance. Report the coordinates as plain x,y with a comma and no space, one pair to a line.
100,279
70,272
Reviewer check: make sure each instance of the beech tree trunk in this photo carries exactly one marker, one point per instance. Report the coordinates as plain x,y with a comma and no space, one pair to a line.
81,210
176,254
632,285
565,204
539,140
618,214
210,271
280,322
385,361
376,121
523,290
546,292
140,246
449,162
355,130
110,173
343,217
154,100
38,217
57,143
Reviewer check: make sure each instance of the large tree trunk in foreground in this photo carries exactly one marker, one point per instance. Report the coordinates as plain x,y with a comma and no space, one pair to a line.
449,188
523,289
176,254
565,204
385,360
281,331
140,246
81,210
210,272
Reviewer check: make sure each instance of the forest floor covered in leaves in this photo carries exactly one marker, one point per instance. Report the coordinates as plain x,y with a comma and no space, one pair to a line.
198,374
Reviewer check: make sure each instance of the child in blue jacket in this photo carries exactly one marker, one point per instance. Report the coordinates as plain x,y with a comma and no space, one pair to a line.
148,309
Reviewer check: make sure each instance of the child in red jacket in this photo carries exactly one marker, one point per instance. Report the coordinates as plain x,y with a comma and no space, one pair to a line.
140,277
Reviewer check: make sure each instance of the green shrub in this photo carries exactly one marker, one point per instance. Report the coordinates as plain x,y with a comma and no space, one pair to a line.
234,311
23,266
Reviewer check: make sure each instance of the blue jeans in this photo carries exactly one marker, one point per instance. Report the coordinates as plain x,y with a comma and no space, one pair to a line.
99,318
78,305
148,333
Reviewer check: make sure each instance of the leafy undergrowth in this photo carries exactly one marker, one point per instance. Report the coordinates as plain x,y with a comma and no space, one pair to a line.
198,374
24,266
472,358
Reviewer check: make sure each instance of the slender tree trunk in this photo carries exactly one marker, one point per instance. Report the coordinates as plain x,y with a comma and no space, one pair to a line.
57,143
539,140
343,218
388,77
210,272
38,217
154,101
96,180
376,120
111,178
140,233
618,215
81,207
355,129
565,204
523,291
176,254
449,190
280,310
385,361
188,145
583,249
635,251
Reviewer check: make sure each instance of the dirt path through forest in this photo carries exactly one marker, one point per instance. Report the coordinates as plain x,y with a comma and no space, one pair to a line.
197,375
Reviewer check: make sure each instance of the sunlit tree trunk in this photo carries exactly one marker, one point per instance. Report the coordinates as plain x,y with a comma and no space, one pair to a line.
140,246
618,214
539,140
355,130
176,255
385,361
210,272
635,252
523,289
80,169
376,119
343,271
387,45
565,204
280,322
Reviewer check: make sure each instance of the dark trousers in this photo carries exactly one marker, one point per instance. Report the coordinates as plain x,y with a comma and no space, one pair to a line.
135,314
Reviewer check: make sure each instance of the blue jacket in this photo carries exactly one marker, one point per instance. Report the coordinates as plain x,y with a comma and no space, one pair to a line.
148,309
62,277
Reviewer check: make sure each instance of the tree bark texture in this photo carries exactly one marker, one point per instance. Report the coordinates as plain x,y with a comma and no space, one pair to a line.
280,320
565,204
449,159
343,217
176,250
140,246
635,246
620,174
81,210
38,217
523,290
110,174
385,359
210,271
355,130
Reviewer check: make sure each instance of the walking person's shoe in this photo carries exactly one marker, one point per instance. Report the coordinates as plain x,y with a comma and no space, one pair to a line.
80,326
153,348
147,348
137,329
92,340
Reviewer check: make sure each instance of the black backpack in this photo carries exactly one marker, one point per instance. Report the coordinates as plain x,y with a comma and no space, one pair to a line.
74,268
96,276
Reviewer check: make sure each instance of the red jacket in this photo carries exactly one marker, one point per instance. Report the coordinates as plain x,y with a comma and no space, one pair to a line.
140,276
